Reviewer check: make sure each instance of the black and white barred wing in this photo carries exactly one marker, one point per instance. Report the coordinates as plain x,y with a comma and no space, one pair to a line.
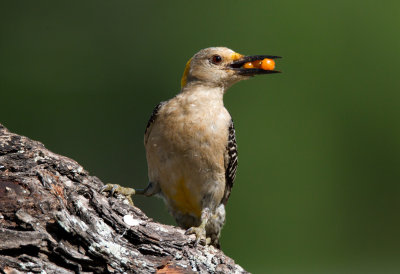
231,162
153,117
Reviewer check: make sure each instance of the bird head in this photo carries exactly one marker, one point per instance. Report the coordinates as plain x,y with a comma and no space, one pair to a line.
221,67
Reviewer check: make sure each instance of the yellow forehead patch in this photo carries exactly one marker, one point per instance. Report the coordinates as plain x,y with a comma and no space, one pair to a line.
236,56
185,73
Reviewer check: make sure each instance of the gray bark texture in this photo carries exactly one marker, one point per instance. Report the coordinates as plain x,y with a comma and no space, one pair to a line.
54,220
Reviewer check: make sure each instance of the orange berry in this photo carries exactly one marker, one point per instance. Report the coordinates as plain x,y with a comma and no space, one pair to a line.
268,64
257,63
248,65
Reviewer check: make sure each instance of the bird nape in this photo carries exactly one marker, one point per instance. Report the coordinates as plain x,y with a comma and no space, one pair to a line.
190,142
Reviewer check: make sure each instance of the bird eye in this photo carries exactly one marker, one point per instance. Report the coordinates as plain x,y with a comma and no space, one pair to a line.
216,59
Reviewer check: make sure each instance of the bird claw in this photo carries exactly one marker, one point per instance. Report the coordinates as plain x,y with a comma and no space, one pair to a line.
200,234
115,189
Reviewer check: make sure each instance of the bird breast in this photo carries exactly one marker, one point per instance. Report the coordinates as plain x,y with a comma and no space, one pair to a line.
191,128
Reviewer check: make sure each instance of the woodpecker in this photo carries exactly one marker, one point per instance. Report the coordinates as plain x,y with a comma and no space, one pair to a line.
190,143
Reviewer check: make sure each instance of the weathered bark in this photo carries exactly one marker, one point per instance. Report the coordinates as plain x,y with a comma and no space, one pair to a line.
53,219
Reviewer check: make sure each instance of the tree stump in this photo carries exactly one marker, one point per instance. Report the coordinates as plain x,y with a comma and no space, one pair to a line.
53,219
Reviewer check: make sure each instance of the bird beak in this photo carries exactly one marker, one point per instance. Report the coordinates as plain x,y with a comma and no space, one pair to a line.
238,65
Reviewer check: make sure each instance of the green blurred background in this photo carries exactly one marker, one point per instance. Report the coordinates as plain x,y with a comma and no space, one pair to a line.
317,189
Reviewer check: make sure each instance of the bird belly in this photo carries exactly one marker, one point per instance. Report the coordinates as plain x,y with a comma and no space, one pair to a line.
187,161
182,197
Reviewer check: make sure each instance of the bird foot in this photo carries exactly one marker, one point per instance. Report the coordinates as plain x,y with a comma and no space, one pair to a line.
116,190
200,234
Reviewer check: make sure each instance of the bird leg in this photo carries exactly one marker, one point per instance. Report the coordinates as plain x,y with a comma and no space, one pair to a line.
200,231
150,190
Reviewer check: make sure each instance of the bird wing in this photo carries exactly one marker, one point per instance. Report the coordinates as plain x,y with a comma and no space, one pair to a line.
151,121
231,162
